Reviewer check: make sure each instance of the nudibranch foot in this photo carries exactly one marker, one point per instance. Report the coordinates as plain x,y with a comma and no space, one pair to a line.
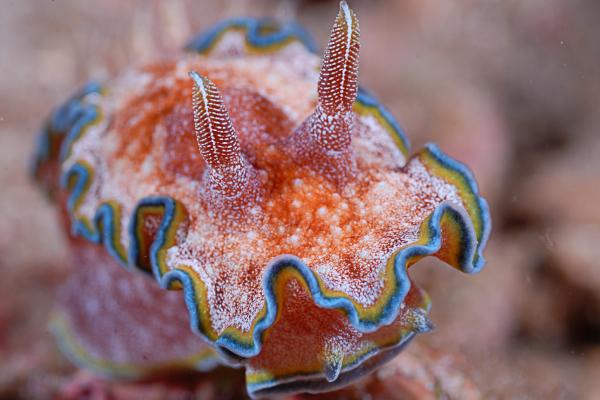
106,320
316,384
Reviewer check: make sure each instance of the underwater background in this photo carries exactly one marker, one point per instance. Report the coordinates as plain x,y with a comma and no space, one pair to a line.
511,88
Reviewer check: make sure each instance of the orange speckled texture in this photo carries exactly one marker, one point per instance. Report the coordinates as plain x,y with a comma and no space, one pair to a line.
347,231
339,231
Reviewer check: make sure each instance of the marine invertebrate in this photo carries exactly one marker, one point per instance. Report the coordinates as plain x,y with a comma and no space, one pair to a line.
276,195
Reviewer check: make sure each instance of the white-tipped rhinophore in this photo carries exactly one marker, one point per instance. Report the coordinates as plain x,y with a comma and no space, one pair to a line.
219,144
330,126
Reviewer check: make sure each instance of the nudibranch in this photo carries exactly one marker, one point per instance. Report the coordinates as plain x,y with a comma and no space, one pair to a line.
275,199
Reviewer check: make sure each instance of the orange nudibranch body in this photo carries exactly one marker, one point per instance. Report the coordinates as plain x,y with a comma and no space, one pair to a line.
271,190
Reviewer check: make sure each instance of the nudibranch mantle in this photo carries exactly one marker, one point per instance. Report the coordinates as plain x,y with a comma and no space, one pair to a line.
305,282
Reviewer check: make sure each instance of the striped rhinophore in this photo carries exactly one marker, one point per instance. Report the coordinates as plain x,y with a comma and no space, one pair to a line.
269,193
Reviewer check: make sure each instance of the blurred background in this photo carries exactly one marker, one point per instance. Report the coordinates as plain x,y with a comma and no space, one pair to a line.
511,88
